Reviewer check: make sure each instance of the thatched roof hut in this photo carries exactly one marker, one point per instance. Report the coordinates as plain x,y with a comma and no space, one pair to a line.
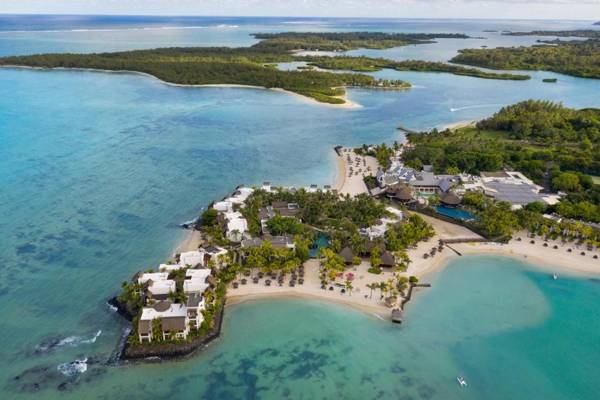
400,192
347,254
397,315
388,259
449,199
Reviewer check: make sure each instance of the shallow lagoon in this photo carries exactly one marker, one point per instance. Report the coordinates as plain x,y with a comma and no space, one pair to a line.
98,169
511,330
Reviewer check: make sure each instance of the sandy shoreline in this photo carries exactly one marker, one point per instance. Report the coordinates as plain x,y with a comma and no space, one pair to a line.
350,174
457,125
377,312
349,104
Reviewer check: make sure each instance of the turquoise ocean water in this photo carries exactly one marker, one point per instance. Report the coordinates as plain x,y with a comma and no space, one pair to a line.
97,170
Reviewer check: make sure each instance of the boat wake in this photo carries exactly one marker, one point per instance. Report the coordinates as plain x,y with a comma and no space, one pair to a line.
475,106
71,341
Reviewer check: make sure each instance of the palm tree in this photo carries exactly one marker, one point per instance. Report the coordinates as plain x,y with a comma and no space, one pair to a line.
371,286
349,287
382,288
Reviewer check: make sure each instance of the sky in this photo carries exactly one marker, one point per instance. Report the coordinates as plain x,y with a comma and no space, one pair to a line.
520,9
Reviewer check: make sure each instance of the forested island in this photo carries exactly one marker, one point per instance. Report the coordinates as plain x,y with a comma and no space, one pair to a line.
368,64
557,147
343,41
254,66
576,58
582,33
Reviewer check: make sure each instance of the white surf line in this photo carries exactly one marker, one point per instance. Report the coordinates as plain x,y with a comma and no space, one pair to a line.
476,106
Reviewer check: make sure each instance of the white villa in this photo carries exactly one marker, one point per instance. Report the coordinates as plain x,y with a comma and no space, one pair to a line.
237,226
160,289
191,258
168,268
153,276
175,319
198,273
195,285
214,254
378,231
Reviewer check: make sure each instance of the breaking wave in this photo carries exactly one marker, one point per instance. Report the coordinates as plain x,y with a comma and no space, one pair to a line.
73,368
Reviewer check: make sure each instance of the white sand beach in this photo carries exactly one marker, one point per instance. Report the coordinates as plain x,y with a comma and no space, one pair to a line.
457,125
360,298
372,302
351,169
349,104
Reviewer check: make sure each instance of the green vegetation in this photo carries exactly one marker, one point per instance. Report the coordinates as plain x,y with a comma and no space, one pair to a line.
268,260
577,58
382,152
129,299
495,219
549,80
279,225
254,66
581,33
323,210
204,66
343,41
538,138
408,233
368,64
557,147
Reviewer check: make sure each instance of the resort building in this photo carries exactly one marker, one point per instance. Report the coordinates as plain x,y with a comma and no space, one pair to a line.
191,259
214,254
278,242
348,255
168,268
160,289
195,285
152,276
195,305
240,195
175,319
235,226
423,182
174,322
267,187
395,174
400,192
510,186
378,231
223,206
387,259
198,273
449,199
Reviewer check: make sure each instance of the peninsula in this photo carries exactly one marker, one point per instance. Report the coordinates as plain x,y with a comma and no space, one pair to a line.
579,58
255,66
396,213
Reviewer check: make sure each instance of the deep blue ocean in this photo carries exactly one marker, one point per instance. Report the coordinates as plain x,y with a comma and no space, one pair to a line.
97,170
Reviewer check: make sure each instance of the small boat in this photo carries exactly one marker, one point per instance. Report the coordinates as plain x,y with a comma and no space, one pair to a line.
461,381
555,276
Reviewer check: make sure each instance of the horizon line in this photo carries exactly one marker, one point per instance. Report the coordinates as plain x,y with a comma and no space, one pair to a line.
292,16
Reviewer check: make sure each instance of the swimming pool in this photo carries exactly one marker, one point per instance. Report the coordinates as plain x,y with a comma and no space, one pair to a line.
455,213
321,240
